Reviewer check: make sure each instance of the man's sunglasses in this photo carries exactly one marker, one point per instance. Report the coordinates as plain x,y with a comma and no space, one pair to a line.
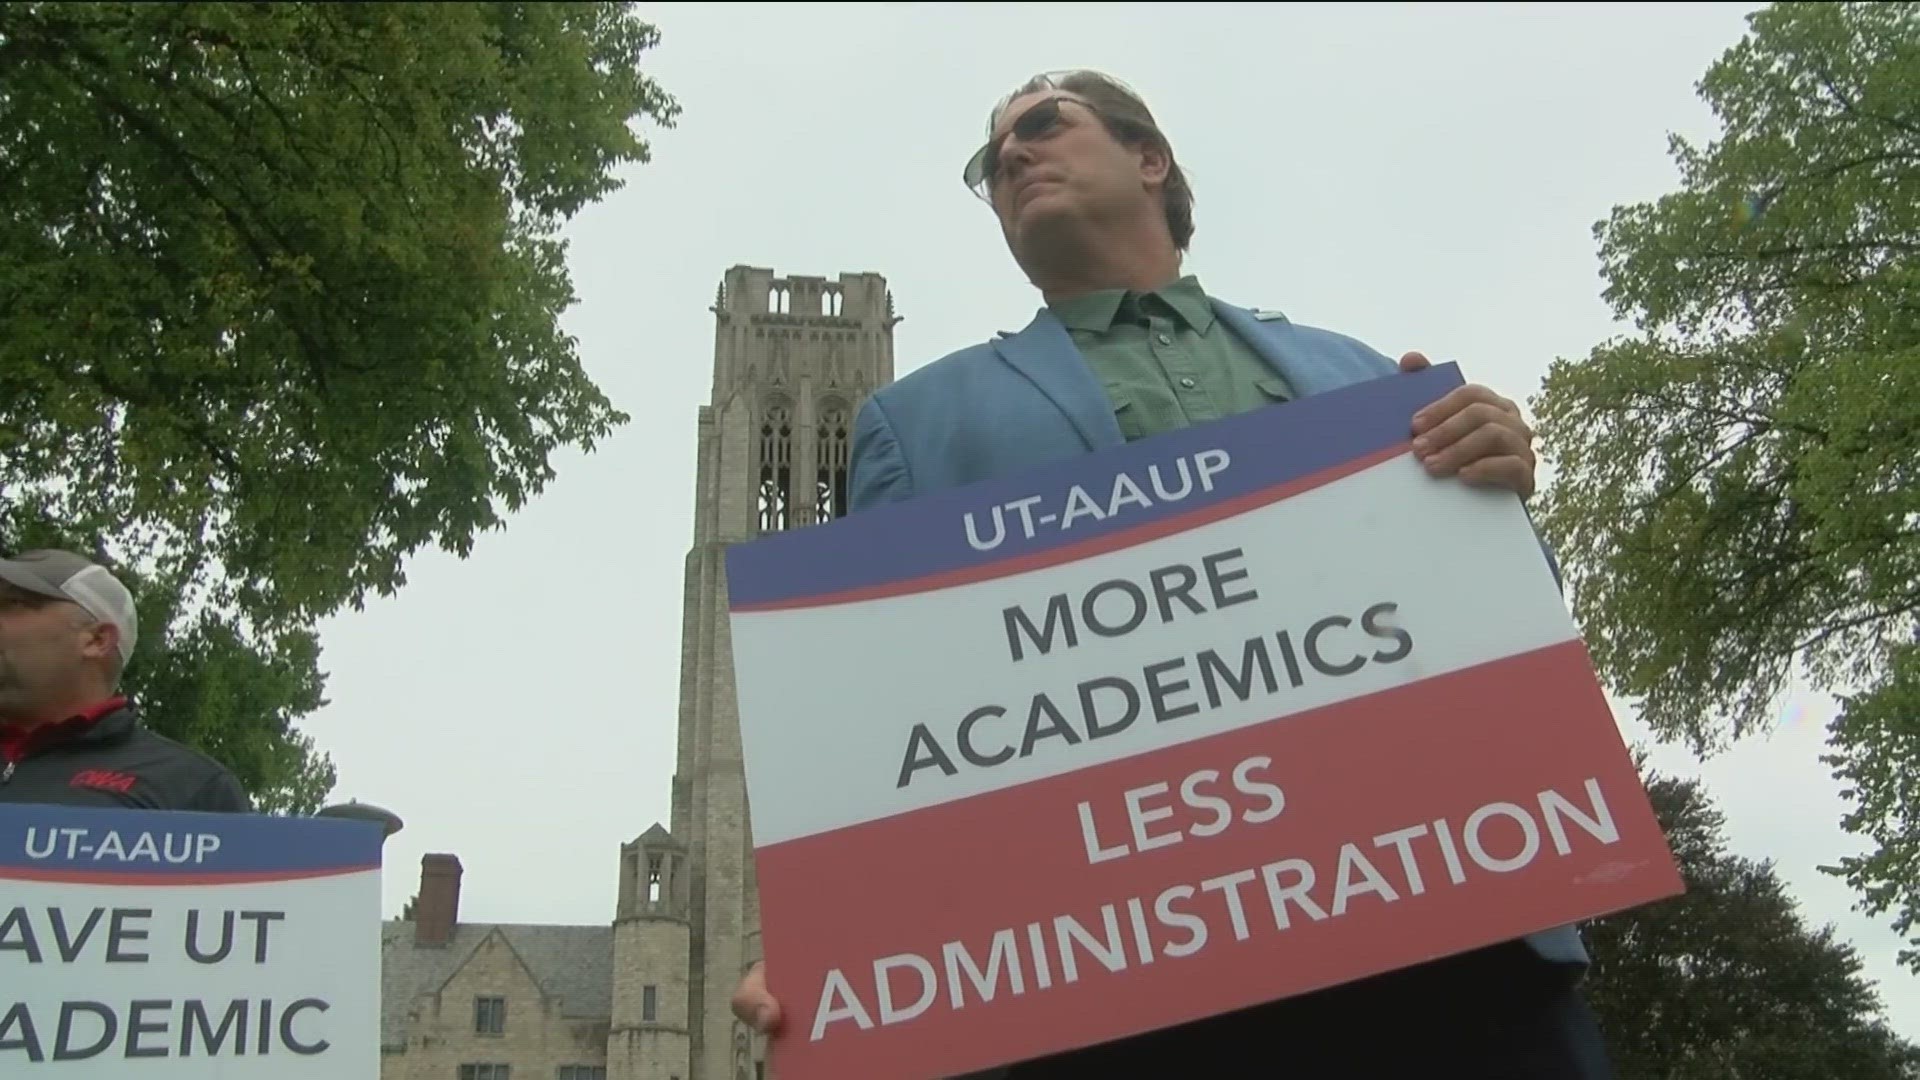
1038,122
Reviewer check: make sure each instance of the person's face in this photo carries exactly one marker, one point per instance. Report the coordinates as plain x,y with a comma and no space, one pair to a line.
1051,165
47,649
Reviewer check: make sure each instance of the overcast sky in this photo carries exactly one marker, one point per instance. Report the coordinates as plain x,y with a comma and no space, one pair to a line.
1419,176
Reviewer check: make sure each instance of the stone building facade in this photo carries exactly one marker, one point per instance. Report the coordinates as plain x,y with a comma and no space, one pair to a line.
647,996
479,1001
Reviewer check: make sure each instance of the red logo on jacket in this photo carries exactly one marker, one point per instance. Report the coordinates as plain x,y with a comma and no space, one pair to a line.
105,780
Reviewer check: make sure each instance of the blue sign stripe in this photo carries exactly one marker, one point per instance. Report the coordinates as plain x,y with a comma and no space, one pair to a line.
929,535
38,840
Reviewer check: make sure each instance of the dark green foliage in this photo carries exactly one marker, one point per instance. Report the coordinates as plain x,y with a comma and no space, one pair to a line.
1726,980
281,287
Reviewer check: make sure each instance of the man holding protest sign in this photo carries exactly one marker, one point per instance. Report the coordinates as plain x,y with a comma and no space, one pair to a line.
1096,211
67,630
137,941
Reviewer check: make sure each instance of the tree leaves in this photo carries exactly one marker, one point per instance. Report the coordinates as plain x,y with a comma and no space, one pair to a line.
304,254
215,690
1726,979
282,284
1877,744
1737,493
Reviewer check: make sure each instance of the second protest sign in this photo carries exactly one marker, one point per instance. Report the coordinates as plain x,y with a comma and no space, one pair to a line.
1199,722
173,945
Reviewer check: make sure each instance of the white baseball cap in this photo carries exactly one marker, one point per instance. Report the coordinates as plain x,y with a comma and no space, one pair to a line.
63,575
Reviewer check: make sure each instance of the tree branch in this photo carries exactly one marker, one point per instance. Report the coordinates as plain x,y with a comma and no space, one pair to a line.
1677,484
190,169
1912,605
1847,106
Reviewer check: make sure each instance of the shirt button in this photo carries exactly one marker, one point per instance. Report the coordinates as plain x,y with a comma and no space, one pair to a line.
1187,382
1164,339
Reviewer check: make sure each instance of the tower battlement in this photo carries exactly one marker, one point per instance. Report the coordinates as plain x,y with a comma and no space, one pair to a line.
759,294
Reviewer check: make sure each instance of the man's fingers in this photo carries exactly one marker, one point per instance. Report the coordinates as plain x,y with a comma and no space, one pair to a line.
1414,361
1458,400
1486,441
753,1005
762,1014
1475,416
1514,474
1478,435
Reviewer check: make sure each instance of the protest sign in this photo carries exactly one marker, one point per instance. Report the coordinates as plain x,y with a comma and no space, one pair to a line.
1210,719
141,945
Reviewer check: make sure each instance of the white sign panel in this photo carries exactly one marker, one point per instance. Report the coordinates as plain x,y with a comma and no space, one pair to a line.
140,945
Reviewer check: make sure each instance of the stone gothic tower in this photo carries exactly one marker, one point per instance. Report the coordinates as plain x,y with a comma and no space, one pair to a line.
649,1035
794,358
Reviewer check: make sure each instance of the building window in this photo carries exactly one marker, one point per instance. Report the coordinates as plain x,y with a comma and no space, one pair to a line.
831,485
582,1072
776,469
649,1003
485,1072
653,879
489,1016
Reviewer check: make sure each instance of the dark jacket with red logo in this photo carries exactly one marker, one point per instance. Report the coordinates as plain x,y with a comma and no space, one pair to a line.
105,757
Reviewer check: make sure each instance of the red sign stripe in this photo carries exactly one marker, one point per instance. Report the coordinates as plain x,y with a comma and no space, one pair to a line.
1430,819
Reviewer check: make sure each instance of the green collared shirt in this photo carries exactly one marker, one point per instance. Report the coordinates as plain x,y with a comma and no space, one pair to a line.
1164,358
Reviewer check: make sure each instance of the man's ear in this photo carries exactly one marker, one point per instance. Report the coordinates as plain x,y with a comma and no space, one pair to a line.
102,641
1155,164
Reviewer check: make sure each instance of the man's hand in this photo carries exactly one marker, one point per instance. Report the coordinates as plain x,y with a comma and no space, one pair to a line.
753,1005
1474,433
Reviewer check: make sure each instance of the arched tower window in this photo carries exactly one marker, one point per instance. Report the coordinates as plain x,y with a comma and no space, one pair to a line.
833,456
776,468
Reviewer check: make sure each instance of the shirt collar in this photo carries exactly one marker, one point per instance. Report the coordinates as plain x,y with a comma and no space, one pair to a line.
17,742
1095,311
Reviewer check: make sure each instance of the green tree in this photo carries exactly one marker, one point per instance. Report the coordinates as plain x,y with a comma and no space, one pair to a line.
281,287
1737,498
1726,980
